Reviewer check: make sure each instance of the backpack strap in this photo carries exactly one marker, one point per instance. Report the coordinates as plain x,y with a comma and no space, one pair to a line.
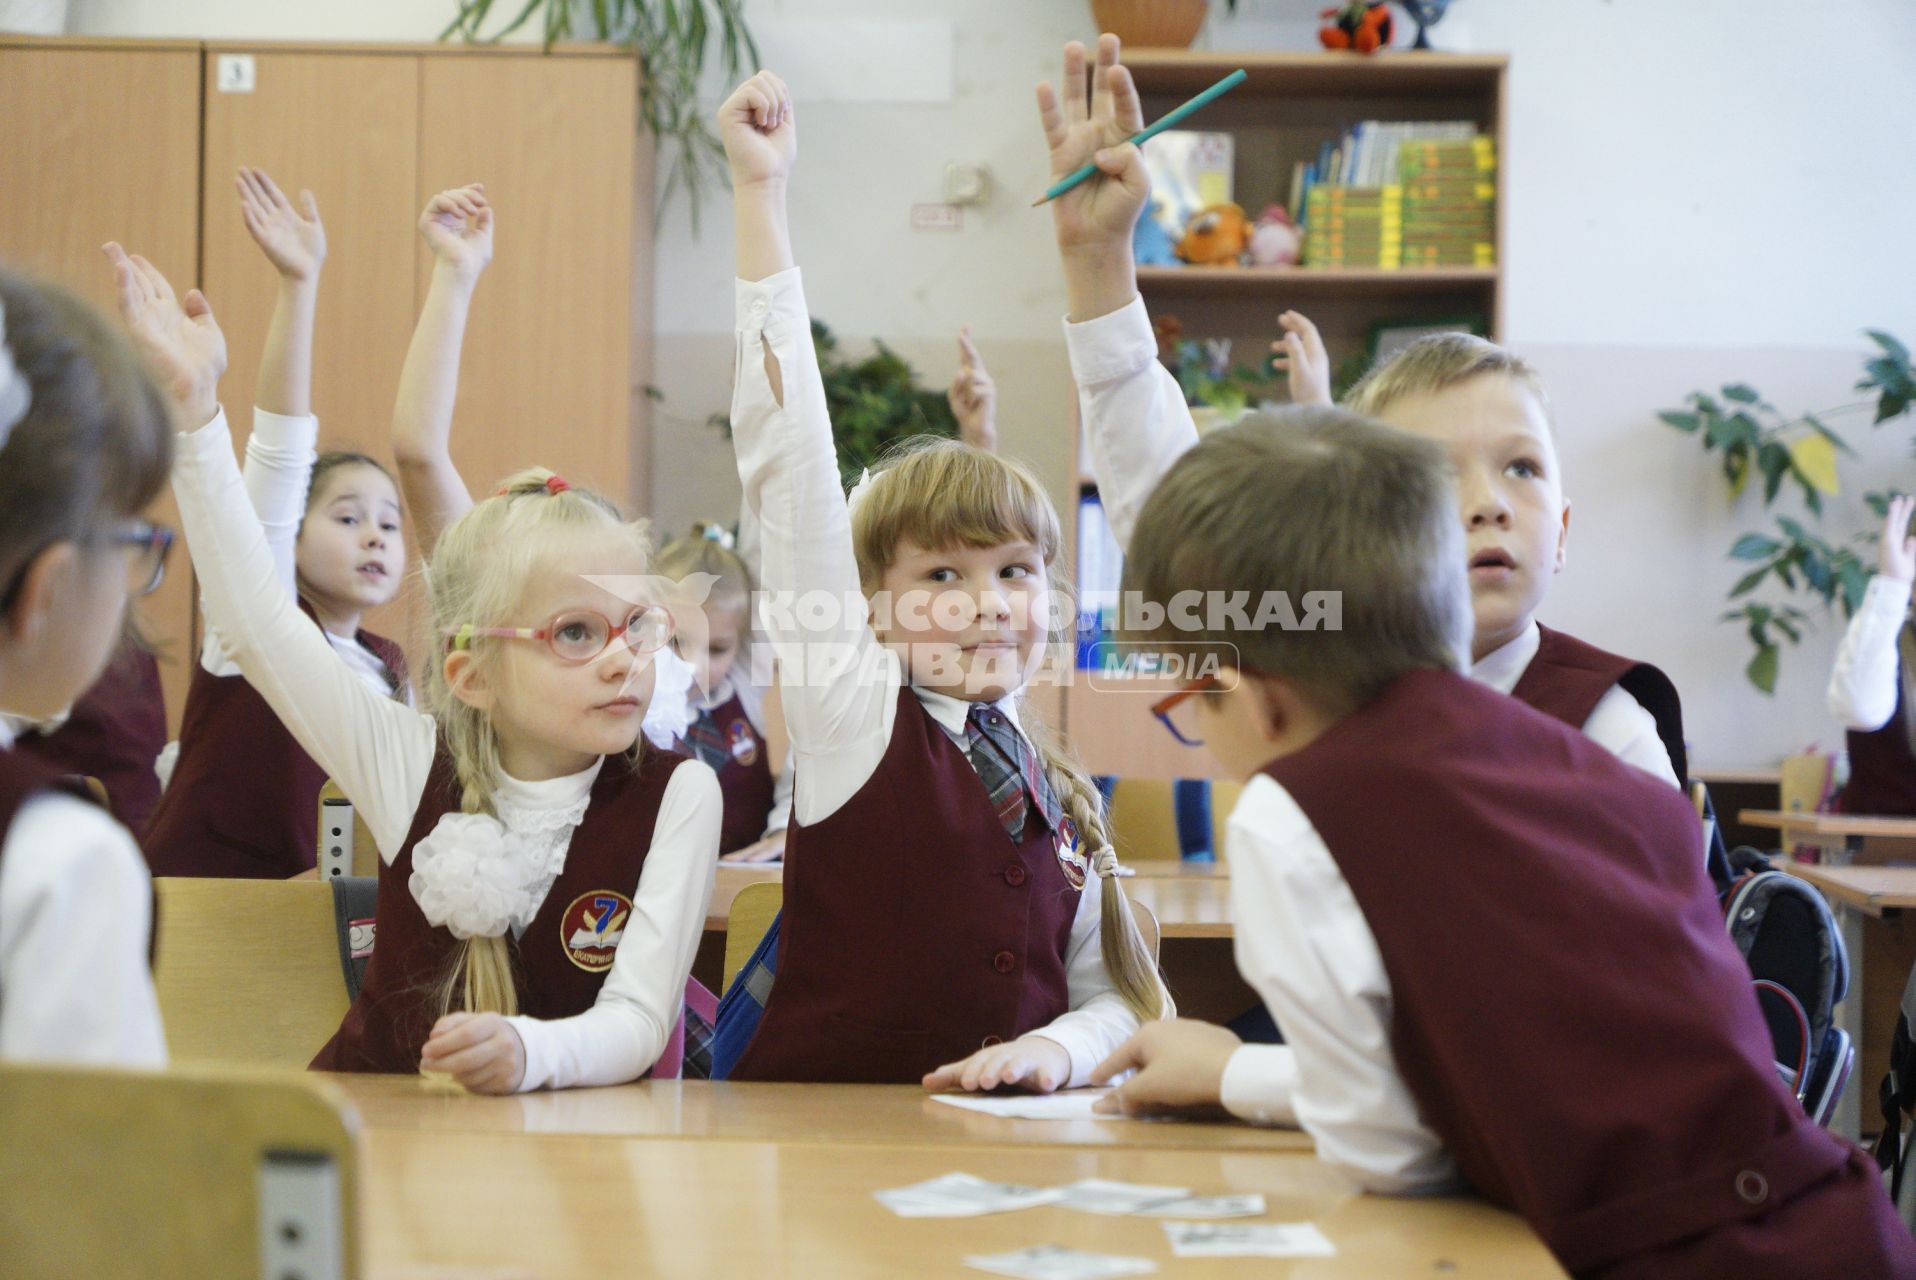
1898,1090
353,905
743,1005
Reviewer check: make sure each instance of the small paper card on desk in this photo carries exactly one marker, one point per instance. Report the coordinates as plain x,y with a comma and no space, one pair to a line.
1055,1262
1248,1240
960,1195
1115,1199
1250,1205
1075,1105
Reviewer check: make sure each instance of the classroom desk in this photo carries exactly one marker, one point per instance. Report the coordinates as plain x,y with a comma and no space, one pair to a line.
566,1205
1870,902
898,1114
1851,837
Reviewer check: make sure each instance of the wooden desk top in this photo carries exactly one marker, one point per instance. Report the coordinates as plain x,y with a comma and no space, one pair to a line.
1190,900
560,1206
1830,824
1870,889
832,1113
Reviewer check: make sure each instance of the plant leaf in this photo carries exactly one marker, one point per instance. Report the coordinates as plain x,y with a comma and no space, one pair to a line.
1754,546
1897,351
1681,421
1762,668
1749,582
1741,392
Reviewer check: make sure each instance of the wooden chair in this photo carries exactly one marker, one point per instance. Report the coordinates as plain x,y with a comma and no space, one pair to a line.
1804,783
96,789
1147,924
248,971
1144,821
215,1175
332,832
753,909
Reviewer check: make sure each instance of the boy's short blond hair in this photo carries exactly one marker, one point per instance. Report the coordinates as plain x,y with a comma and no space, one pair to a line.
1298,502
1437,361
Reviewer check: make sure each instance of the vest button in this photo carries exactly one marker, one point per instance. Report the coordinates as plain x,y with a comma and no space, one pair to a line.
1014,874
1004,962
1752,1187
988,1041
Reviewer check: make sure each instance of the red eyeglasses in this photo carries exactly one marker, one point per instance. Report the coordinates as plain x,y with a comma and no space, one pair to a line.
1164,706
581,635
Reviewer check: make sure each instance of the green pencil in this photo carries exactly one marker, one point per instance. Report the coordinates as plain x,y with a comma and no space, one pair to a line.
1174,117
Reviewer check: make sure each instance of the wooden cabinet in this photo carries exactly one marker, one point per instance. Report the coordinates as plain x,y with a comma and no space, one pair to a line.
1289,105
137,141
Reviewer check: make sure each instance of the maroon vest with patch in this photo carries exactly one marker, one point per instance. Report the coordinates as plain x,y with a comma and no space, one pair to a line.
244,798
1567,678
591,899
1882,770
745,776
1567,1008
114,733
914,930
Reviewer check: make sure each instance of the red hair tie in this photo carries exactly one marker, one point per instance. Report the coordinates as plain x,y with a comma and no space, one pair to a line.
556,484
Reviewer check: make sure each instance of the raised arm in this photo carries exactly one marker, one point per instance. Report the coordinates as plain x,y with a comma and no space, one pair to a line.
378,750
1133,411
834,704
294,241
457,226
1865,683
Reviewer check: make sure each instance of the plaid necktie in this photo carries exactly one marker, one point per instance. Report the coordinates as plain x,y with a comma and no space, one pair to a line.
707,741
1009,768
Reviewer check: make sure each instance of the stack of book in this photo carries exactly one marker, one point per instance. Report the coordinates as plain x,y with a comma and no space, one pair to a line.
1354,227
1449,203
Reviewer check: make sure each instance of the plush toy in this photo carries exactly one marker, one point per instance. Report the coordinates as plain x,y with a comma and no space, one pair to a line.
1151,244
1363,25
1217,234
1274,241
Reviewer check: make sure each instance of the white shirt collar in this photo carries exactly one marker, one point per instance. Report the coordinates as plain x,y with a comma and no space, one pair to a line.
553,793
952,713
1501,668
10,728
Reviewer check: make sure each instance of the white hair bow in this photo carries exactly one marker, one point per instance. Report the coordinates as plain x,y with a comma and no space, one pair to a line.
670,713
859,491
16,397
1104,863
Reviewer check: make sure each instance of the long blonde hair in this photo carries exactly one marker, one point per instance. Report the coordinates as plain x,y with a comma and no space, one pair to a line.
479,571
942,493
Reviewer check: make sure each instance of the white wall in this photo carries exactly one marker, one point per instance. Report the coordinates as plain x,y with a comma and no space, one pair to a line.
1698,192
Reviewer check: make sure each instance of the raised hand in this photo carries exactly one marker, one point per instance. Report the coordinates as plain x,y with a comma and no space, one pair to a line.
293,240
181,341
1896,553
973,397
1089,117
760,131
1300,354
457,226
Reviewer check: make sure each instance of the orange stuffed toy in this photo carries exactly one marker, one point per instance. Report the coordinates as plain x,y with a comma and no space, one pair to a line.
1365,27
1216,236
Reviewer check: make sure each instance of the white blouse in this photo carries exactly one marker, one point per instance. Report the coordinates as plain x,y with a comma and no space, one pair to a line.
841,724
380,752
1867,678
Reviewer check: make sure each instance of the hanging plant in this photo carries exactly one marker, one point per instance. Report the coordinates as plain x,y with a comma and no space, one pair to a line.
673,39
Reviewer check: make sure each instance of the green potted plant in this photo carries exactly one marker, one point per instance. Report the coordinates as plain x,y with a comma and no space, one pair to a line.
673,39
1755,439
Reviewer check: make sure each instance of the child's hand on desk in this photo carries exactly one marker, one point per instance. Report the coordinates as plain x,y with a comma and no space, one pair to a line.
457,226
1179,1065
760,131
769,849
1031,1062
1098,214
294,242
1300,354
479,1050
1896,554
182,342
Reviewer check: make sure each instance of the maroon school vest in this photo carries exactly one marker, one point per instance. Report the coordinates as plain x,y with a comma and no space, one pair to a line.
589,902
244,798
1568,1010
114,733
1882,771
1567,678
914,931
745,776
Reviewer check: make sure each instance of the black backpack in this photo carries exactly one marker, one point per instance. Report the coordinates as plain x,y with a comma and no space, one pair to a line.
1797,960
1897,1095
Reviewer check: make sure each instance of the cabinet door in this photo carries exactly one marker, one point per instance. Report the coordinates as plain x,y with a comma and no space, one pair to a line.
548,372
100,144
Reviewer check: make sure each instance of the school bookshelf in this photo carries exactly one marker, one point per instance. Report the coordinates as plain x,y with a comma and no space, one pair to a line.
1290,110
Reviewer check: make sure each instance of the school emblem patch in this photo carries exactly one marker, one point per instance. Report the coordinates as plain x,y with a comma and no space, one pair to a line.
743,742
1071,853
591,928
